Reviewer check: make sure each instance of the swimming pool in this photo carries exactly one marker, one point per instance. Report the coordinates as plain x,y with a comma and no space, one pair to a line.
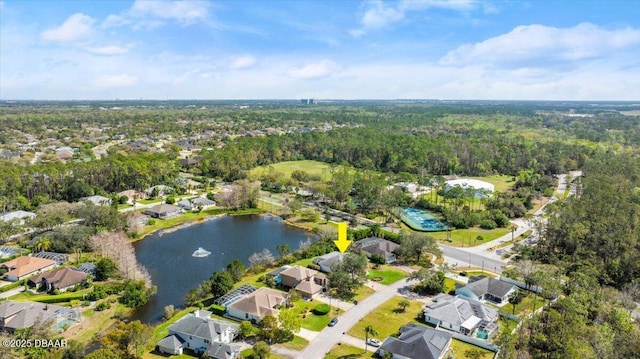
422,220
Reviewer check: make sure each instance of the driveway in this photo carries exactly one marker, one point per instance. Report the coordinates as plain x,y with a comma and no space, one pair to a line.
330,336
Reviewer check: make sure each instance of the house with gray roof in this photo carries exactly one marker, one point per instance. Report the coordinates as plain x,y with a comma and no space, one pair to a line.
163,211
195,203
328,261
202,334
379,246
17,216
417,342
21,315
489,289
459,314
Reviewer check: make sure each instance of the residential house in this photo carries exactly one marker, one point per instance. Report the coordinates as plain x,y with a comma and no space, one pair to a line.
306,281
18,216
328,261
159,190
417,342
460,314
132,195
195,203
25,266
257,305
60,279
163,211
202,334
379,246
97,200
489,289
22,315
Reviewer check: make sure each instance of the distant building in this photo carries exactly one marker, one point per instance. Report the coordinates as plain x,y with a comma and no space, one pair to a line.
163,211
97,200
307,101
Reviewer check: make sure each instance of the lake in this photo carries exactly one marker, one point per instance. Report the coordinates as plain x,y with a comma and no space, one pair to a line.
174,270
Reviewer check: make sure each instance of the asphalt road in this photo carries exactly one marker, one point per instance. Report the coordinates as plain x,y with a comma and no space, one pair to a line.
465,258
330,336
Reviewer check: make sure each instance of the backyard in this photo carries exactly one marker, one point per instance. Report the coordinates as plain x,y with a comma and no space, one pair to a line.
386,274
459,350
345,351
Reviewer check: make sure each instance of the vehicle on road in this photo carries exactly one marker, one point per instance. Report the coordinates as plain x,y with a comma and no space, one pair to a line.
333,322
373,342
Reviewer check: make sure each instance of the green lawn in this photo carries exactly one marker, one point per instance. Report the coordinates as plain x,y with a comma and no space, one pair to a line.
459,349
388,275
386,319
362,293
526,306
501,183
64,297
477,272
467,237
312,321
346,351
286,168
298,343
248,353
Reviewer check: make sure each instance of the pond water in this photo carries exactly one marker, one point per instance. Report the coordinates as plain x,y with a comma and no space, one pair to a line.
170,260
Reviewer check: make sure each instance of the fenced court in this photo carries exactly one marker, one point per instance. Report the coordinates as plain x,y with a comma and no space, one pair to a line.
421,220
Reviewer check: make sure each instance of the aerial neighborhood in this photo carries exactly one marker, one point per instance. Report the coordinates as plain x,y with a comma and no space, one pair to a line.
213,230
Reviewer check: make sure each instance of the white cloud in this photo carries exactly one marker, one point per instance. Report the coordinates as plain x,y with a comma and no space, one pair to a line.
242,62
184,11
119,80
108,50
315,70
380,14
77,26
531,44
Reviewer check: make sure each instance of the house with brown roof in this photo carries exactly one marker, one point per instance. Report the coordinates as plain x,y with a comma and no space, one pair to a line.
25,266
60,279
257,305
306,281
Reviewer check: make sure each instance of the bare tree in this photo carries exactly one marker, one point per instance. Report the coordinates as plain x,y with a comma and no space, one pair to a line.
116,246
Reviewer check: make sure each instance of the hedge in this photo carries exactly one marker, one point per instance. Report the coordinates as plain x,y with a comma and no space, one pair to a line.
59,298
322,309
13,285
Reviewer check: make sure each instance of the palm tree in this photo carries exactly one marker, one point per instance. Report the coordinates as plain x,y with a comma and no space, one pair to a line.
403,304
369,331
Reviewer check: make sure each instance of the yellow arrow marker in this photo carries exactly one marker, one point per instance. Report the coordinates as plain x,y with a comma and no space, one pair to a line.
342,243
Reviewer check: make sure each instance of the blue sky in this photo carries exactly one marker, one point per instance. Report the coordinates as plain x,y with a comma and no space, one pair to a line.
420,49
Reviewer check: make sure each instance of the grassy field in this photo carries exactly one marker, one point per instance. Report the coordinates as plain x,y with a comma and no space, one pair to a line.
286,168
501,183
388,275
449,285
459,349
526,306
248,353
386,319
64,297
345,351
362,293
467,237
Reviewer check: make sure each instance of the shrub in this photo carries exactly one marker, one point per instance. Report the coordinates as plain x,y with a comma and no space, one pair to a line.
218,309
377,259
322,309
102,306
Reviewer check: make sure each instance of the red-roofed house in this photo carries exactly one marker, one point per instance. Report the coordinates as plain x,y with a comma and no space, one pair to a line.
25,266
